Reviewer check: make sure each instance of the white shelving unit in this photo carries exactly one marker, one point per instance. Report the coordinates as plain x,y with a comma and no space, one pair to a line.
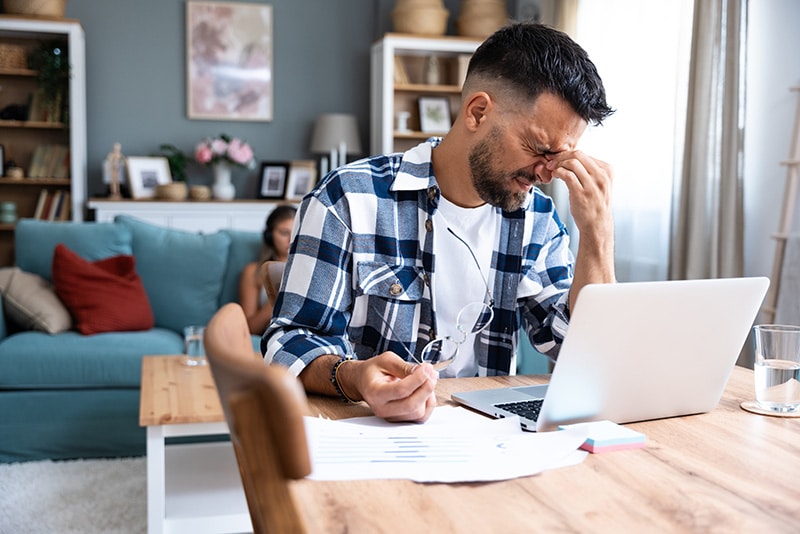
193,216
390,95
21,137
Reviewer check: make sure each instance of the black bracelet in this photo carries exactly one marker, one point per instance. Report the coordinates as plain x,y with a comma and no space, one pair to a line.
335,381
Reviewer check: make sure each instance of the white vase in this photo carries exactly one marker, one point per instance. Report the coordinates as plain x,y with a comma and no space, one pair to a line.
223,188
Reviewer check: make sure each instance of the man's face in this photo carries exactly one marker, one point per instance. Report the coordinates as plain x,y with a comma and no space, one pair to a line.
511,157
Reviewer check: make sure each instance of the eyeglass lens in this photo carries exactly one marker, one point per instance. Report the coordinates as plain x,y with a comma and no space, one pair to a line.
472,319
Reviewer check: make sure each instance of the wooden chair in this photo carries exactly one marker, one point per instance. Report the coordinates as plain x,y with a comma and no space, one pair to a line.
272,273
264,407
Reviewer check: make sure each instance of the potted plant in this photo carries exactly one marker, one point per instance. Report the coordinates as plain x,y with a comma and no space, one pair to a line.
51,62
176,160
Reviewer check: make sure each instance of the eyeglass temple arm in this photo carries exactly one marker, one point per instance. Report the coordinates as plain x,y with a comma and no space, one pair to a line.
387,325
477,263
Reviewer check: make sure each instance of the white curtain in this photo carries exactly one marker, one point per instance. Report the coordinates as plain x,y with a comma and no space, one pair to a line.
641,50
708,225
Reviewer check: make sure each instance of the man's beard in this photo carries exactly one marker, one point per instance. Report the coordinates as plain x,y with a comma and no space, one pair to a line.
492,185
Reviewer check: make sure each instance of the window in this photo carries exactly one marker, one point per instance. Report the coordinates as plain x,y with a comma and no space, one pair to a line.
641,50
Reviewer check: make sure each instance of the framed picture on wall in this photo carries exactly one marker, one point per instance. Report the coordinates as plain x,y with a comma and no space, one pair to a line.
145,174
273,179
302,178
434,114
229,61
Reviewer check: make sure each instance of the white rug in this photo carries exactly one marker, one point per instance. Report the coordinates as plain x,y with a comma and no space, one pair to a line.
81,496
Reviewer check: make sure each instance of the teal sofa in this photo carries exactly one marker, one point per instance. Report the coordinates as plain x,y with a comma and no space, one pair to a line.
68,395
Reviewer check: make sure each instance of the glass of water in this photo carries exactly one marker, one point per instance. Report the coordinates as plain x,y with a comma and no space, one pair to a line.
777,367
193,345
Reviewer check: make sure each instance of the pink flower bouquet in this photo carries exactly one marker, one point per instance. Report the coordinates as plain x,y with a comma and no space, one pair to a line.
224,149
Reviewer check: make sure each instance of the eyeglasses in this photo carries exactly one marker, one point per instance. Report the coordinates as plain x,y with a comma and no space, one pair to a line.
473,318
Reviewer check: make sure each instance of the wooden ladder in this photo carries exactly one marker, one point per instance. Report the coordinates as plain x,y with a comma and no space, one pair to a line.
787,211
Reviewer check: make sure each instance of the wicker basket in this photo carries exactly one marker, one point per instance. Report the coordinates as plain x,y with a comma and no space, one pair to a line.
42,8
420,20
172,191
12,57
200,192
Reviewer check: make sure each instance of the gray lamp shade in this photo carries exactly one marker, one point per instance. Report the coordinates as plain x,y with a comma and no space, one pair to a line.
333,128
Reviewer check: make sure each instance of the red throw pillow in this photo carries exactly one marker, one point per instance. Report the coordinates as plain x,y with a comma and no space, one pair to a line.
102,296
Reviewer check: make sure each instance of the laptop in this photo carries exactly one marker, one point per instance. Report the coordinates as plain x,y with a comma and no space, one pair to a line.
637,351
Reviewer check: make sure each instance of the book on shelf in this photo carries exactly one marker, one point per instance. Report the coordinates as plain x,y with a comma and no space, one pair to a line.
37,214
55,208
36,106
50,161
42,110
61,165
66,207
48,205
36,168
400,74
53,205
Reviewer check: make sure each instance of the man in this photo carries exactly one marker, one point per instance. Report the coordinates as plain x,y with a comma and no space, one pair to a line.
391,252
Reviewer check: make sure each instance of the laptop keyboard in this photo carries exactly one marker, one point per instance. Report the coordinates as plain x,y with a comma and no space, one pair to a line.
527,409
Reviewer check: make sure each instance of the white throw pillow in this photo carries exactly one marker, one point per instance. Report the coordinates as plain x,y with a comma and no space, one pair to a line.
30,301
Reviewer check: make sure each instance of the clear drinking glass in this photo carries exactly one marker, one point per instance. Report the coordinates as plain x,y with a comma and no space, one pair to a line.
777,367
193,345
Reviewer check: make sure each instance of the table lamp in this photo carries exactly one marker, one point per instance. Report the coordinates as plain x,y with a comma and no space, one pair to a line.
335,134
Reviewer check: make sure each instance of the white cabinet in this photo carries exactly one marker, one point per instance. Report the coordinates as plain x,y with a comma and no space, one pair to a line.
21,136
405,68
193,216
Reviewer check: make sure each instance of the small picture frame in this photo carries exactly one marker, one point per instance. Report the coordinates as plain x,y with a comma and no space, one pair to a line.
302,178
434,114
273,179
145,174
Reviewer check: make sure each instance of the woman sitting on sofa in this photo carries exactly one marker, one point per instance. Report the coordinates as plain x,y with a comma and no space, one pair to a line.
252,294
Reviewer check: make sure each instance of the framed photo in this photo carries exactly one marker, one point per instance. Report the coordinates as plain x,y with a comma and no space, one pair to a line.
147,173
273,179
434,114
229,61
302,178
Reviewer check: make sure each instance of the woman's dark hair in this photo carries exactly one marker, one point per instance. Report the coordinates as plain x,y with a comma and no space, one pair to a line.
278,215
533,59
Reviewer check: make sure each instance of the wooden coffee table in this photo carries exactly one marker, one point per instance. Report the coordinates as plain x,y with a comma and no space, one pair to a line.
193,487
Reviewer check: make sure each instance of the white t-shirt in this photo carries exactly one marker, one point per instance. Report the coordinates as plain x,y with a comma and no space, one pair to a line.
457,280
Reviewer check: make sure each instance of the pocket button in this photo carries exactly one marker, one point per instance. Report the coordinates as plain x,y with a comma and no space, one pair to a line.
395,289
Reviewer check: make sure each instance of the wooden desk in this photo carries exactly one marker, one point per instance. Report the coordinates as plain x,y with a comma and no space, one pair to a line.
725,471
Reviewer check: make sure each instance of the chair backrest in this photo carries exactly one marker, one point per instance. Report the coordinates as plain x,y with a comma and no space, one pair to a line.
264,407
272,273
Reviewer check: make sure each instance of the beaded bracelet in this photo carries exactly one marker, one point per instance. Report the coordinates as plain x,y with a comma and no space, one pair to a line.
335,381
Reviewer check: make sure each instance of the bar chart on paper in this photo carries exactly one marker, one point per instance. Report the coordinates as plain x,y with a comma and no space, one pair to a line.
393,449
453,446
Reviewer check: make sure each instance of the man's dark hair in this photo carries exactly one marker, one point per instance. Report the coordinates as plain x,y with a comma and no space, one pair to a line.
533,59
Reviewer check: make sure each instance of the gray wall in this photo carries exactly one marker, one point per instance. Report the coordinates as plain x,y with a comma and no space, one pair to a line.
136,77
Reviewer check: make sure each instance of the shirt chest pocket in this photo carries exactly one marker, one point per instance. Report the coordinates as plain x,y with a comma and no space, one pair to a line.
396,282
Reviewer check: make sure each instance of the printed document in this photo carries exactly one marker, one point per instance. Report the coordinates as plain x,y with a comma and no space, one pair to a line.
454,445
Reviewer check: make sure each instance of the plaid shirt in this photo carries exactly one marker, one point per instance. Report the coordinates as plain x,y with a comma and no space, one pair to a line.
363,246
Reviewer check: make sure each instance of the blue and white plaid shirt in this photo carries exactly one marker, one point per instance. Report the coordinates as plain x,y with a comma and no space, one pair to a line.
363,246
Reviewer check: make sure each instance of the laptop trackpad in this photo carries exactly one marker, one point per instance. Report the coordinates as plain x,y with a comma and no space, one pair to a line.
537,392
